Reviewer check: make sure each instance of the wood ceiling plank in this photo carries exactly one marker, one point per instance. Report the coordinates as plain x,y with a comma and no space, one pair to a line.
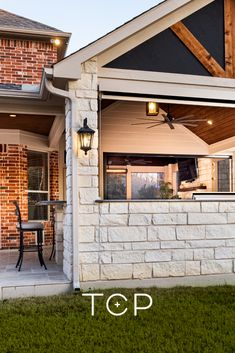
223,121
228,39
198,50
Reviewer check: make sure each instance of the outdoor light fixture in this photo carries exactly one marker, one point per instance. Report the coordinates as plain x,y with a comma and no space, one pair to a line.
56,41
209,122
12,115
86,135
152,109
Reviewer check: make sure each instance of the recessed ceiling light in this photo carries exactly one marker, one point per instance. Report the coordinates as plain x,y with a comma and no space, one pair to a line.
209,122
12,115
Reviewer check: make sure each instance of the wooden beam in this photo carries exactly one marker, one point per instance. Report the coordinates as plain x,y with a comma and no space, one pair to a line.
197,49
228,39
56,132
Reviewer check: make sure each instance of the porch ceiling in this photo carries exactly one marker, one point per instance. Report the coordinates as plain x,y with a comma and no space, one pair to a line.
39,124
223,121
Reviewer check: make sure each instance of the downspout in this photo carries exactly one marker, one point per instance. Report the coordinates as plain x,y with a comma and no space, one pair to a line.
71,97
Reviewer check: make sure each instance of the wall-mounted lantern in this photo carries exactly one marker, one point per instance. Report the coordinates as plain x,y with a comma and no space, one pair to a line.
152,109
86,135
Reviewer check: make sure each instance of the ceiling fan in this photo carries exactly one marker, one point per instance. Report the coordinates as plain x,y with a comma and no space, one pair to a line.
187,120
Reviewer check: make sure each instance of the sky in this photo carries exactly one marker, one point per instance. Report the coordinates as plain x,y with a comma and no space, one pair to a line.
87,20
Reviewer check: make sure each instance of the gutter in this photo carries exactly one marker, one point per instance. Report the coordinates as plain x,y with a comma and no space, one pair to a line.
74,163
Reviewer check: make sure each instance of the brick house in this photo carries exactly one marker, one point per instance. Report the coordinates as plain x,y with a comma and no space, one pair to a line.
152,202
27,47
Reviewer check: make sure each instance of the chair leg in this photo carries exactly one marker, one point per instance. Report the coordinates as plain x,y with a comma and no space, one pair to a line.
19,258
21,251
40,250
21,261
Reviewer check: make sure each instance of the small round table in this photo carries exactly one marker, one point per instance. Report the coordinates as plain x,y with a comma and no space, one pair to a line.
53,204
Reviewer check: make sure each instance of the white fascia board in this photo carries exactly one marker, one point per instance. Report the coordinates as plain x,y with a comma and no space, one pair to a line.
70,67
170,85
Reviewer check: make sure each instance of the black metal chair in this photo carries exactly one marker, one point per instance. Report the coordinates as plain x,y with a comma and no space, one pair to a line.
23,227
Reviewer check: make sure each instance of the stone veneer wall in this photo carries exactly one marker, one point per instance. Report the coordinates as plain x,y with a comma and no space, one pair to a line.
141,240
85,92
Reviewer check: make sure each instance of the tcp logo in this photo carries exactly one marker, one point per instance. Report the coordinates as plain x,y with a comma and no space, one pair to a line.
118,299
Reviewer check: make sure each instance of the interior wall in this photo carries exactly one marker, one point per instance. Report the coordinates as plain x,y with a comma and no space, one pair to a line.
119,135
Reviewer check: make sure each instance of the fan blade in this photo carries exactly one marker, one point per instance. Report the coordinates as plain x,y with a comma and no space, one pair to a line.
149,123
189,124
188,121
149,119
150,127
185,117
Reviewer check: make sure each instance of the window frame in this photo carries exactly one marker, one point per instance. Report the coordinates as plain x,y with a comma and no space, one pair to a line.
128,170
41,191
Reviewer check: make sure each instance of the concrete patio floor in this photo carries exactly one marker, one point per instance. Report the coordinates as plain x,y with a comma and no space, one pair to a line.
32,280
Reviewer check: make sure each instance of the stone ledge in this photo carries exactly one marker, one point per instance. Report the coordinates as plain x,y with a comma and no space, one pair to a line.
187,281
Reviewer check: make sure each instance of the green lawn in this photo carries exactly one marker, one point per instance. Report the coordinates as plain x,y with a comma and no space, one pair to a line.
183,320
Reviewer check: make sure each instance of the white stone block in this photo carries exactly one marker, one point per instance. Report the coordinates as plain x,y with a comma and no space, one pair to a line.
90,67
113,219
227,206
83,103
230,242
161,233
140,219
111,246
170,218
95,181
94,105
86,234
231,217
84,181
149,207
104,207
207,218
125,234
88,171
88,219
211,206
169,269
141,271
119,207
209,267
127,257
146,245
88,257
182,254
178,244
157,255
84,209
116,271
184,207
90,272
105,257
220,232
103,234
205,243
203,254
89,247
127,246
193,268
224,253
88,94
88,195
190,232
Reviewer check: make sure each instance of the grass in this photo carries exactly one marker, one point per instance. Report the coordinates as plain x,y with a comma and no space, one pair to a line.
181,320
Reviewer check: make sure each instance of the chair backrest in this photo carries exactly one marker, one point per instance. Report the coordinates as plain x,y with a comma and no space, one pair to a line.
17,212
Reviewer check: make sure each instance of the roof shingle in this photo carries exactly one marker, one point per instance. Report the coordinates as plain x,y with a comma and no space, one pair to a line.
9,20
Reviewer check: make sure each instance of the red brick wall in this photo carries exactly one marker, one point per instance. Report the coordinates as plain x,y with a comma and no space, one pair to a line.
13,176
22,61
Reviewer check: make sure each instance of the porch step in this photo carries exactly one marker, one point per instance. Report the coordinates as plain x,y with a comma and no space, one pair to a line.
10,291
